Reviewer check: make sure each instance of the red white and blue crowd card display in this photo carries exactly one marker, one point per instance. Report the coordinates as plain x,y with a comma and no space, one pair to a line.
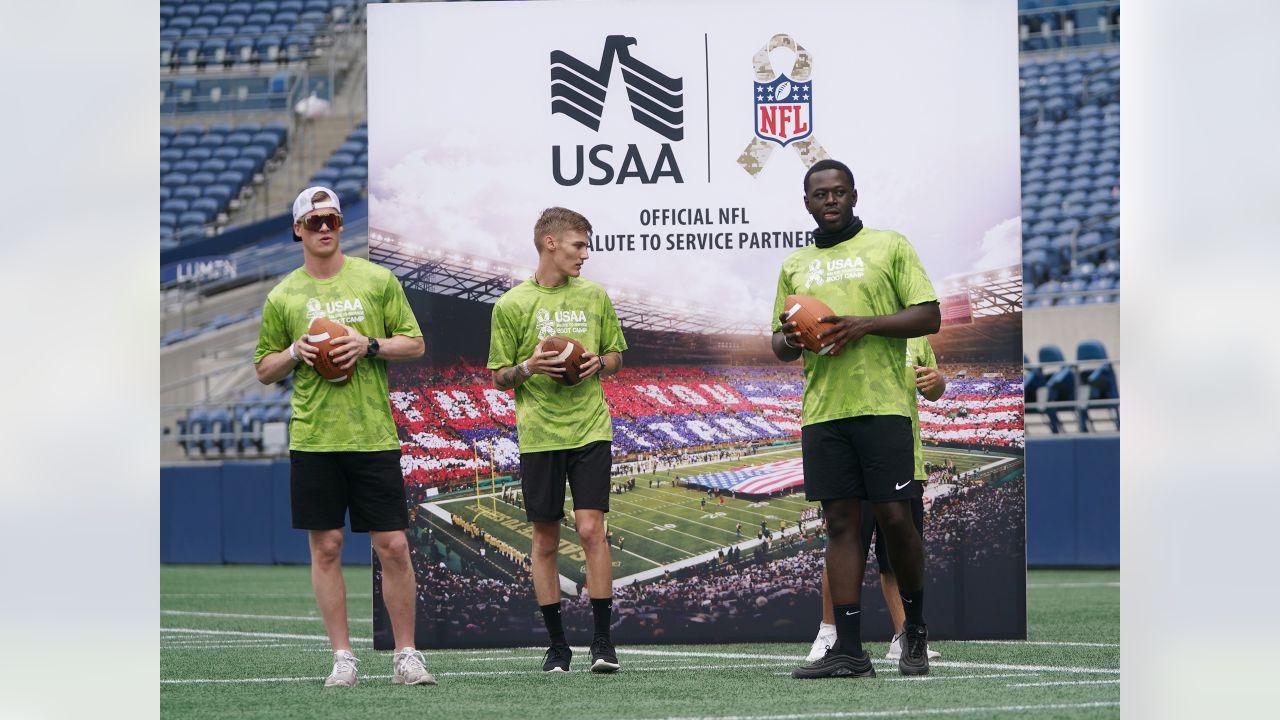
683,131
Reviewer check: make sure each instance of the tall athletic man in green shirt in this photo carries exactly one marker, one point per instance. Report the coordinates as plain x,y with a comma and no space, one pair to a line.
856,430
565,431
930,384
344,453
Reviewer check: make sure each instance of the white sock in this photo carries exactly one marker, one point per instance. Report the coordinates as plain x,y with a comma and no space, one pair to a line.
826,628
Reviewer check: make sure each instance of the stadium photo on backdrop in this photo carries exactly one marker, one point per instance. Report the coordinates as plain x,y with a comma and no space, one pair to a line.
628,350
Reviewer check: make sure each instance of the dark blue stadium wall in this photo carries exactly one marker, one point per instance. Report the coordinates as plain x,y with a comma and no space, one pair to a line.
238,511
235,512
1073,501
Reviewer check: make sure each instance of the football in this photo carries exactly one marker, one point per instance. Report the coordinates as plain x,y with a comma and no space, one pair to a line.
804,311
322,333
570,355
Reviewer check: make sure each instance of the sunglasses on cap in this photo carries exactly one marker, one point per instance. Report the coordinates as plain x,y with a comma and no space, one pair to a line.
315,222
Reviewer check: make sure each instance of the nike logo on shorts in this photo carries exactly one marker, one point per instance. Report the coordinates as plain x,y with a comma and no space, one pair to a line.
899,487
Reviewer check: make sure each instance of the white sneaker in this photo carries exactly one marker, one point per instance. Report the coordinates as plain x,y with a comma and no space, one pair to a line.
895,649
344,670
826,638
411,669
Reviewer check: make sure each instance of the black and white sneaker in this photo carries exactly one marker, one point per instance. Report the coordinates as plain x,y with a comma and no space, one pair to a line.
835,664
557,659
915,651
604,659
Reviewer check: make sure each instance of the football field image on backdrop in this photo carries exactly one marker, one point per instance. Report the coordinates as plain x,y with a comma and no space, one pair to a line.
684,139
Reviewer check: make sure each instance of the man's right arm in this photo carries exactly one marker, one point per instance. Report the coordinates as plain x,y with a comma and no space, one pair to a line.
274,367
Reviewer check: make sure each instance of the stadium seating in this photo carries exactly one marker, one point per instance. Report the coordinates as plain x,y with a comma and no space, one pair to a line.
1087,385
1071,179
204,36
347,169
205,172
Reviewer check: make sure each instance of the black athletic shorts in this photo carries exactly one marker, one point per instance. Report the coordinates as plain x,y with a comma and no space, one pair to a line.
543,474
870,526
871,457
324,485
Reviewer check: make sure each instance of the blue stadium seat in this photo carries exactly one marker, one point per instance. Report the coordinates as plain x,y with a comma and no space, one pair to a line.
206,21
341,159
215,8
349,190
214,50
1068,225
240,49
180,23
326,176
295,6
351,146
265,140
227,153
187,52
199,153
220,193
165,192
1081,170
173,207
1043,227
279,128
241,8
186,166
1057,172
1034,175
1030,186
205,205
172,154
197,33
360,134
354,172
278,28
1076,212
193,217
186,192
1084,182
248,166
1058,185
363,159
314,16
190,232
285,17
211,140
234,179
1035,242
199,179
1052,213
297,47
257,154
1100,381
268,48
168,219
1029,214
213,165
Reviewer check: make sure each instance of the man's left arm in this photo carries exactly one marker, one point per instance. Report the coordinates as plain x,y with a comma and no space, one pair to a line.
611,341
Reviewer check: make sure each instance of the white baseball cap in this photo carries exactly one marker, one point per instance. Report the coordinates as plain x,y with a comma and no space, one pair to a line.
303,204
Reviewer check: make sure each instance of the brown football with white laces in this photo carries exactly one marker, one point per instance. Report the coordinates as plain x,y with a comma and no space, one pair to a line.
569,354
322,333
804,311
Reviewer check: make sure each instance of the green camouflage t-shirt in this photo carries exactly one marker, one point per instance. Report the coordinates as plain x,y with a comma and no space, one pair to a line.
328,417
876,272
551,416
919,352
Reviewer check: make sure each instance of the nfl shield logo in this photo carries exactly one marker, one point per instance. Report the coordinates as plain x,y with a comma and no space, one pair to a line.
784,110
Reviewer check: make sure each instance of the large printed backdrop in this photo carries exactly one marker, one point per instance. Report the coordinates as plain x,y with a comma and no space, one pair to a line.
682,131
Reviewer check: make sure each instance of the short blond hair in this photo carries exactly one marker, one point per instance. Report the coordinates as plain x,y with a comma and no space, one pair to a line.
556,221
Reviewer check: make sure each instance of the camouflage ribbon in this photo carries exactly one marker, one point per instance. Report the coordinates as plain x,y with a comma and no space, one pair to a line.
758,150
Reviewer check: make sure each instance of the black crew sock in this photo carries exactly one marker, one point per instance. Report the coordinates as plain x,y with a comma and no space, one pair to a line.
913,606
602,610
848,629
555,626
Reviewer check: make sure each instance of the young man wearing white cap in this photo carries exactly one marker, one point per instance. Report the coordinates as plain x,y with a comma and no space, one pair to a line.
344,453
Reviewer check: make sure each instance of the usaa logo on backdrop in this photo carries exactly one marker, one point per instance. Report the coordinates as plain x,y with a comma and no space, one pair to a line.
579,92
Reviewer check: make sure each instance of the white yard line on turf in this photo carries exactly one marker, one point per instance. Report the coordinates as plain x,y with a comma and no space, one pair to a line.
905,712
304,618
1065,682
465,673
350,596
1056,586
238,633
960,677
1040,642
